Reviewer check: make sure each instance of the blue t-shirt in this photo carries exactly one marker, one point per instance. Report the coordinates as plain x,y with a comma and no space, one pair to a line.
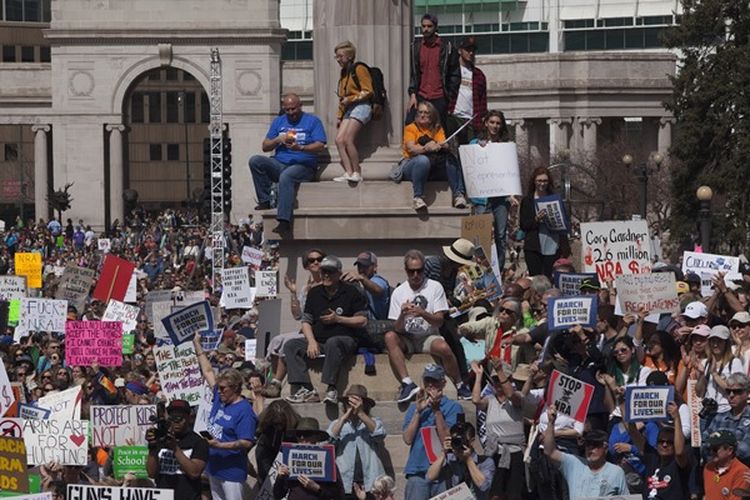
378,306
583,483
418,463
230,423
307,130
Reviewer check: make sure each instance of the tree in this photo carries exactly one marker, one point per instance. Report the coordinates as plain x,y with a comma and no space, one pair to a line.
60,200
711,105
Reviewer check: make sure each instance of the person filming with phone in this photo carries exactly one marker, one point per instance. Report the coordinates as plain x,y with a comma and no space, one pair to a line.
176,454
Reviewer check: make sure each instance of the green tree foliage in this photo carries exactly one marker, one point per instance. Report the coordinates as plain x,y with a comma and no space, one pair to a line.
712,107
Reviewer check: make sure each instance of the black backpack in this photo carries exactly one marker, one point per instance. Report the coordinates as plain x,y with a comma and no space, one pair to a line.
380,95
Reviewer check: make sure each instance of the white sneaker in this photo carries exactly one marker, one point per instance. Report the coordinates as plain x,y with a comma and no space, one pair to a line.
342,178
459,201
356,177
419,203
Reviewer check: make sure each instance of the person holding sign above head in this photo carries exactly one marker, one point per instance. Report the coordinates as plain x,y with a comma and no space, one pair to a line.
231,430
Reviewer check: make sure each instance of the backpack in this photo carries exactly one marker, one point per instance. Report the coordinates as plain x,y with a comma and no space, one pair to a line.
380,95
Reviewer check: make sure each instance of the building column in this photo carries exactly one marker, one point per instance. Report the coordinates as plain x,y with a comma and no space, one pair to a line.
664,140
41,180
116,204
559,134
589,126
522,137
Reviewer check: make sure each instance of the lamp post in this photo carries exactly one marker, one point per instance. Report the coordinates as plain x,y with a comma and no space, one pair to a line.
181,100
704,195
643,172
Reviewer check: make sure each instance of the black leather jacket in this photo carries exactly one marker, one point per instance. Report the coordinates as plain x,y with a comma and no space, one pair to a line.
450,71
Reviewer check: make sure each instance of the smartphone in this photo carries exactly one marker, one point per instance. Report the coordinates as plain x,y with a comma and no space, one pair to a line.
206,434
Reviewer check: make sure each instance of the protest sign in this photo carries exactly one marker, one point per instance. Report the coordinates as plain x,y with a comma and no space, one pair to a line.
12,287
161,310
75,285
237,293
644,403
564,312
64,405
128,343
14,476
431,441
203,412
93,342
52,440
104,244
250,349
695,405
47,495
490,170
33,412
130,459
7,397
29,265
131,294
87,492
252,256
612,248
316,462
555,216
113,279
460,492
179,372
41,315
181,326
210,340
14,311
18,396
478,230
266,284
125,313
121,425
152,298
706,265
570,283
654,292
569,395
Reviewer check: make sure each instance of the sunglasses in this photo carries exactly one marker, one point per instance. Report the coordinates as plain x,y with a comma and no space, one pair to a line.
313,260
46,376
621,350
507,311
418,270
593,444
735,391
667,442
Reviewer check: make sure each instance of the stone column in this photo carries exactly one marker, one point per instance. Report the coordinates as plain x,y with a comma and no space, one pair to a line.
559,133
664,141
41,180
522,137
589,126
116,174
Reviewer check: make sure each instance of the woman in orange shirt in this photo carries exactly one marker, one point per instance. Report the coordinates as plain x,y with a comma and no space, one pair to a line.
662,354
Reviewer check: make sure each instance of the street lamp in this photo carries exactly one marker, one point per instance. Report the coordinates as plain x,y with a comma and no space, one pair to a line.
181,100
643,172
704,195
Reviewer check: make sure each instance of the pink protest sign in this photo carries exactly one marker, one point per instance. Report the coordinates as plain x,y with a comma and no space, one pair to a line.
89,342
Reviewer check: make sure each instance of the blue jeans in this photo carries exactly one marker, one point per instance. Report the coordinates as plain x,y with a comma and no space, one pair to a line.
417,170
499,207
419,488
267,170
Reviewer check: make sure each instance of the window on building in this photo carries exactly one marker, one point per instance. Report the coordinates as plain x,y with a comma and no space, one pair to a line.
173,152
27,54
154,75
32,11
173,107
11,152
172,74
13,10
154,107
136,108
45,55
205,109
9,53
189,111
154,152
187,77
46,11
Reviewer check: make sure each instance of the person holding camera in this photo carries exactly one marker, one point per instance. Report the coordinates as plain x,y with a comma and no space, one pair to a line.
459,463
176,454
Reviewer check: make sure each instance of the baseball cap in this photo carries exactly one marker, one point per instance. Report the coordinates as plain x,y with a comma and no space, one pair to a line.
468,42
137,387
682,287
719,332
701,330
741,317
331,262
692,278
366,259
695,310
719,438
179,406
434,372
595,436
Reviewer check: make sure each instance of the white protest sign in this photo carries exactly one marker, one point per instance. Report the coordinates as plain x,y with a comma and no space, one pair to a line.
159,311
104,245
41,315
203,411
7,397
569,395
266,284
53,440
237,293
88,492
121,425
65,405
491,170
706,265
153,297
613,248
179,372
460,492
250,349
564,312
47,495
75,285
125,313
655,293
252,256
644,403
12,287
314,461
131,295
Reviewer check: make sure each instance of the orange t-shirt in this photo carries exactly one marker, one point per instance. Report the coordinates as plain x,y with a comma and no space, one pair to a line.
662,367
719,486
412,133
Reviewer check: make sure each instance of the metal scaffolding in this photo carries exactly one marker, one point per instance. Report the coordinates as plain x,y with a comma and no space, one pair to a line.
217,170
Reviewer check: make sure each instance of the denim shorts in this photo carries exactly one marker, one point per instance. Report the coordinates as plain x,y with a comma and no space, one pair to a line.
362,112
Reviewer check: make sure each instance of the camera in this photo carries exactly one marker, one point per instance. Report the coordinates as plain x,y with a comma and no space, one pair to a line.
710,408
161,429
457,442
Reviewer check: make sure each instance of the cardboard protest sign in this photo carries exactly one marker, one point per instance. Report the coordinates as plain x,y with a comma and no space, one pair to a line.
491,170
432,446
555,216
460,492
252,256
52,440
41,315
569,395
113,279
613,248
33,412
29,265
570,283
478,230
564,312
316,462
86,492
266,284
121,425
695,404
237,293
75,285
706,265
64,405
644,403
93,342
655,292
130,459
7,397
179,372
181,326
125,313
128,343
14,476
12,287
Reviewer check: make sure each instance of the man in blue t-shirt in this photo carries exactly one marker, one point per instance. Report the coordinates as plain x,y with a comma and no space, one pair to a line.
375,287
296,138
